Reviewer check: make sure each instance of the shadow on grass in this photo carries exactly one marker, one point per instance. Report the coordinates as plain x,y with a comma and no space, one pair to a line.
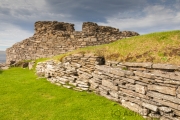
1,71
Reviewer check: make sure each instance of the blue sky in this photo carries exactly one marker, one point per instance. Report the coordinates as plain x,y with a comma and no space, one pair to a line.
17,17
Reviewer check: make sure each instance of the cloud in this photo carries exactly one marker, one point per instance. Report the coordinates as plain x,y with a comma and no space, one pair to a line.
97,11
155,18
11,34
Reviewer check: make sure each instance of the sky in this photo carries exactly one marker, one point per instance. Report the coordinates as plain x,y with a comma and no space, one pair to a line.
17,17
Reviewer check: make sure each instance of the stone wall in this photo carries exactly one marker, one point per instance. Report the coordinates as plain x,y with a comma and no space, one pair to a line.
3,66
149,89
53,38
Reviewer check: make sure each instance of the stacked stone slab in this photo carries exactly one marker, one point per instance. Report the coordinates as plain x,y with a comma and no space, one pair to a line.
75,70
53,38
148,89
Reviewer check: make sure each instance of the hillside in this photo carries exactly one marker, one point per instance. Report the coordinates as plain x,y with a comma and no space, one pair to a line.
160,47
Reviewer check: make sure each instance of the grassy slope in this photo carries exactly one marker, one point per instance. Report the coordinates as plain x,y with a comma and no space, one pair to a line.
161,47
23,97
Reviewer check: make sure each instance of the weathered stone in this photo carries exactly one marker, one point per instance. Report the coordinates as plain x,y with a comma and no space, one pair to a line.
129,80
178,95
67,86
109,84
132,93
178,90
83,86
114,94
150,106
163,96
85,89
176,112
115,71
164,118
109,97
171,82
93,39
146,65
74,84
163,89
5,68
31,64
104,88
167,103
94,85
165,109
134,107
143,74
165,66
140,89
154,115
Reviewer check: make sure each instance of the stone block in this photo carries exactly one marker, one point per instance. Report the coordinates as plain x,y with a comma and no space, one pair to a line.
146,75
115,71
93,39
176,112
163,96
163,89
164,118
150,106
114,94
154,115
133,94
169,104
82,86
83,43
134,107
129,80
72,36
146,65
109,84
165,109
140,89
165,66
86,39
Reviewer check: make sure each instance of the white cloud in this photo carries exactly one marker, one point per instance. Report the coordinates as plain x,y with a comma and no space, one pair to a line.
11,34
155,17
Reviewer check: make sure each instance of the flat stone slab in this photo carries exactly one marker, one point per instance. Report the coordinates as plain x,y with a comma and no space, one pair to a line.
165,66
163,89
145,65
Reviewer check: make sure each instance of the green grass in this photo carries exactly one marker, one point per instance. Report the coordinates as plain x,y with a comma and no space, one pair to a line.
23,97
160,47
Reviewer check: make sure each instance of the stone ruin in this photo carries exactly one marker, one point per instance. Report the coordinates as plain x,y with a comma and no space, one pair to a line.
53,38
152,90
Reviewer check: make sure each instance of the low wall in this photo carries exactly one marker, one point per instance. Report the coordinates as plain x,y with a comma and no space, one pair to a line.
53,38
149,89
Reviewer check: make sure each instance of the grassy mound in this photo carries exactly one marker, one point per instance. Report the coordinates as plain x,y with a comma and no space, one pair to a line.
23,97
160,47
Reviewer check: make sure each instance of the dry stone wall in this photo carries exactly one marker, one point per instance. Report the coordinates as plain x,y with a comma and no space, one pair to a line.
149,89
53,38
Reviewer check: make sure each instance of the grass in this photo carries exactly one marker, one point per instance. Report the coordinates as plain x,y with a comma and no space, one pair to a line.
23,97
160,47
